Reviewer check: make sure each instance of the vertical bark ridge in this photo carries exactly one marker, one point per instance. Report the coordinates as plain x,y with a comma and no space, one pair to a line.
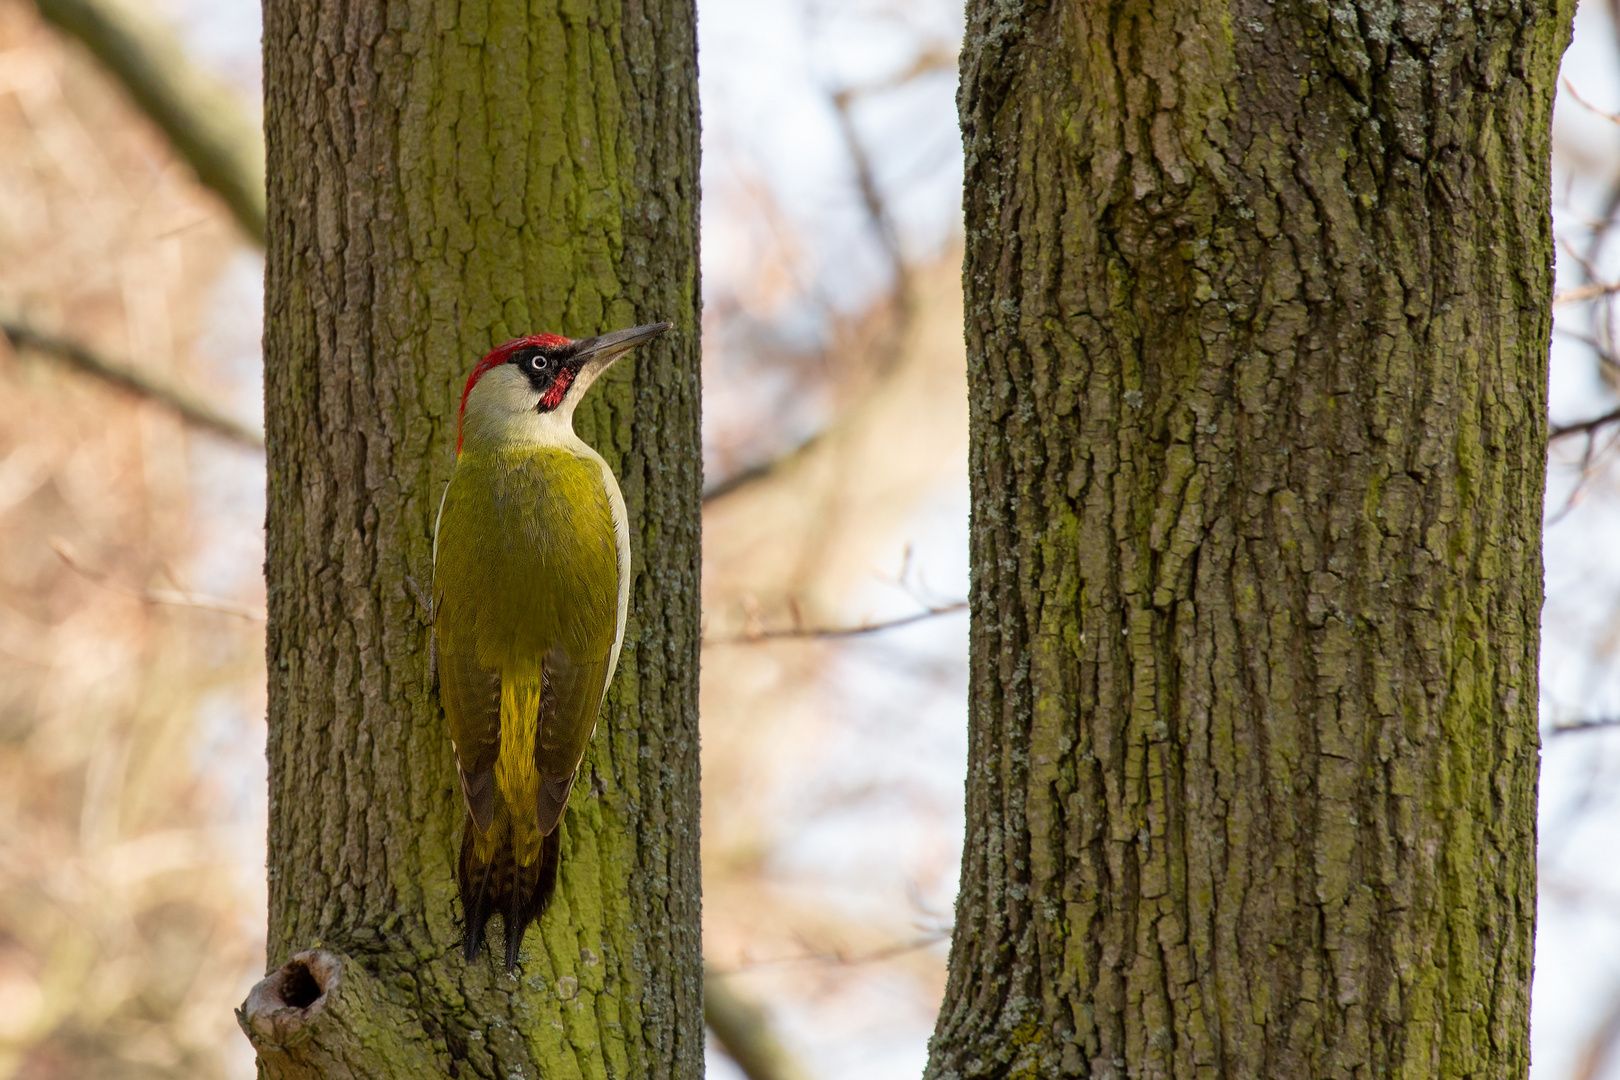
442,177
1257,319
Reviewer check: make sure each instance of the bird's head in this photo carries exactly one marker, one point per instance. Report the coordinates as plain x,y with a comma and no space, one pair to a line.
528,388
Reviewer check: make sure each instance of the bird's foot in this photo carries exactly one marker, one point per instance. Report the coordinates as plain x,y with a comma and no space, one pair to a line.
423,604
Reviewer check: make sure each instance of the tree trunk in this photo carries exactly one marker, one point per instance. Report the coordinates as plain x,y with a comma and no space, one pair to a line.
443,177
1257,322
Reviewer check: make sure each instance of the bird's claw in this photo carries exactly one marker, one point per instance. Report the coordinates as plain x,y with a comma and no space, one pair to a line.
423,604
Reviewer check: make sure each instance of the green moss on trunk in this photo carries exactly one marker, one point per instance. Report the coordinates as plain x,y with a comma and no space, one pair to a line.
1257,318
444,176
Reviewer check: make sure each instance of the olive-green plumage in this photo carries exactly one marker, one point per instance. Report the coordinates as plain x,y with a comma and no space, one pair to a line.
526,585
528,531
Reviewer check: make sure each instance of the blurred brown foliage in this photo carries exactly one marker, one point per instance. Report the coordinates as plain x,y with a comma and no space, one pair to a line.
128,928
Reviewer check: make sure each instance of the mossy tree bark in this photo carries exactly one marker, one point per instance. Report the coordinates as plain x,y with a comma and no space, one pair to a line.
444,176
1257,320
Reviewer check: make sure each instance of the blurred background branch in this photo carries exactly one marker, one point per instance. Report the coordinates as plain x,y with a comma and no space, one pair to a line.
203,118
931,59
826,633
750,474
1583,427
1595,723
842,957
130,717
743,1029
185,403
171,597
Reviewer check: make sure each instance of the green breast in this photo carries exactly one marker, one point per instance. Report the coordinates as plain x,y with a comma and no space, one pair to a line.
527,558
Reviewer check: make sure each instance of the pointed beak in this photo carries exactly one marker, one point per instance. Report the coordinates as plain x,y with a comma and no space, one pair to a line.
598,353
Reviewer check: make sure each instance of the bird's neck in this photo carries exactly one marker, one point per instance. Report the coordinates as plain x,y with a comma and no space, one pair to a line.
486,429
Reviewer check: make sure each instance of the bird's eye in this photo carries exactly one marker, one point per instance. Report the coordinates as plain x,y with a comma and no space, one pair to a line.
538,363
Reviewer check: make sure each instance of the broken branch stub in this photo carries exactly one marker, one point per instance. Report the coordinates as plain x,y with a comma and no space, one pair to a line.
322,1015
281,1010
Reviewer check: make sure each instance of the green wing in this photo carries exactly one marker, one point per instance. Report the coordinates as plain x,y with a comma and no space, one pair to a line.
568,705
471,698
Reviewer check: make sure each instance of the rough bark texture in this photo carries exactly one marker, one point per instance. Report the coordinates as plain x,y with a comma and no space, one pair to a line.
444,176
1257,320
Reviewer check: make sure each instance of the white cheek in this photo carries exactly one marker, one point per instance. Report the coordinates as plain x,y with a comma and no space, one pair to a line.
504,408
504,390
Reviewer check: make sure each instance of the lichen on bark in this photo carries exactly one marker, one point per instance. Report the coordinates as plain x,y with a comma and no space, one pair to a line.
1257,321
443,176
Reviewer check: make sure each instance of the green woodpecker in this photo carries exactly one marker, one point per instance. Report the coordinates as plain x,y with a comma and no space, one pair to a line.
531,581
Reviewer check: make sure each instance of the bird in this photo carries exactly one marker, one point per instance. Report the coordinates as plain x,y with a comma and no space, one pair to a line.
531,586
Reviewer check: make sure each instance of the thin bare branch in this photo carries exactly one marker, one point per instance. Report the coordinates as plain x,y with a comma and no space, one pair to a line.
1585,292
877,208
186,404
801,633
839,956
1591,454
203,118
166,597
753,473
935,58
1592,723
1588,267
884,347
1587,105
1604,354
1584,427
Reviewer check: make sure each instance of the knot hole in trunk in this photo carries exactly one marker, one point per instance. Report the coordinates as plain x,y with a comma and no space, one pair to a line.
286,1001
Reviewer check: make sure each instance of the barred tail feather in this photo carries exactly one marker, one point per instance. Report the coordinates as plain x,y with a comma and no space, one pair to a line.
499,886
